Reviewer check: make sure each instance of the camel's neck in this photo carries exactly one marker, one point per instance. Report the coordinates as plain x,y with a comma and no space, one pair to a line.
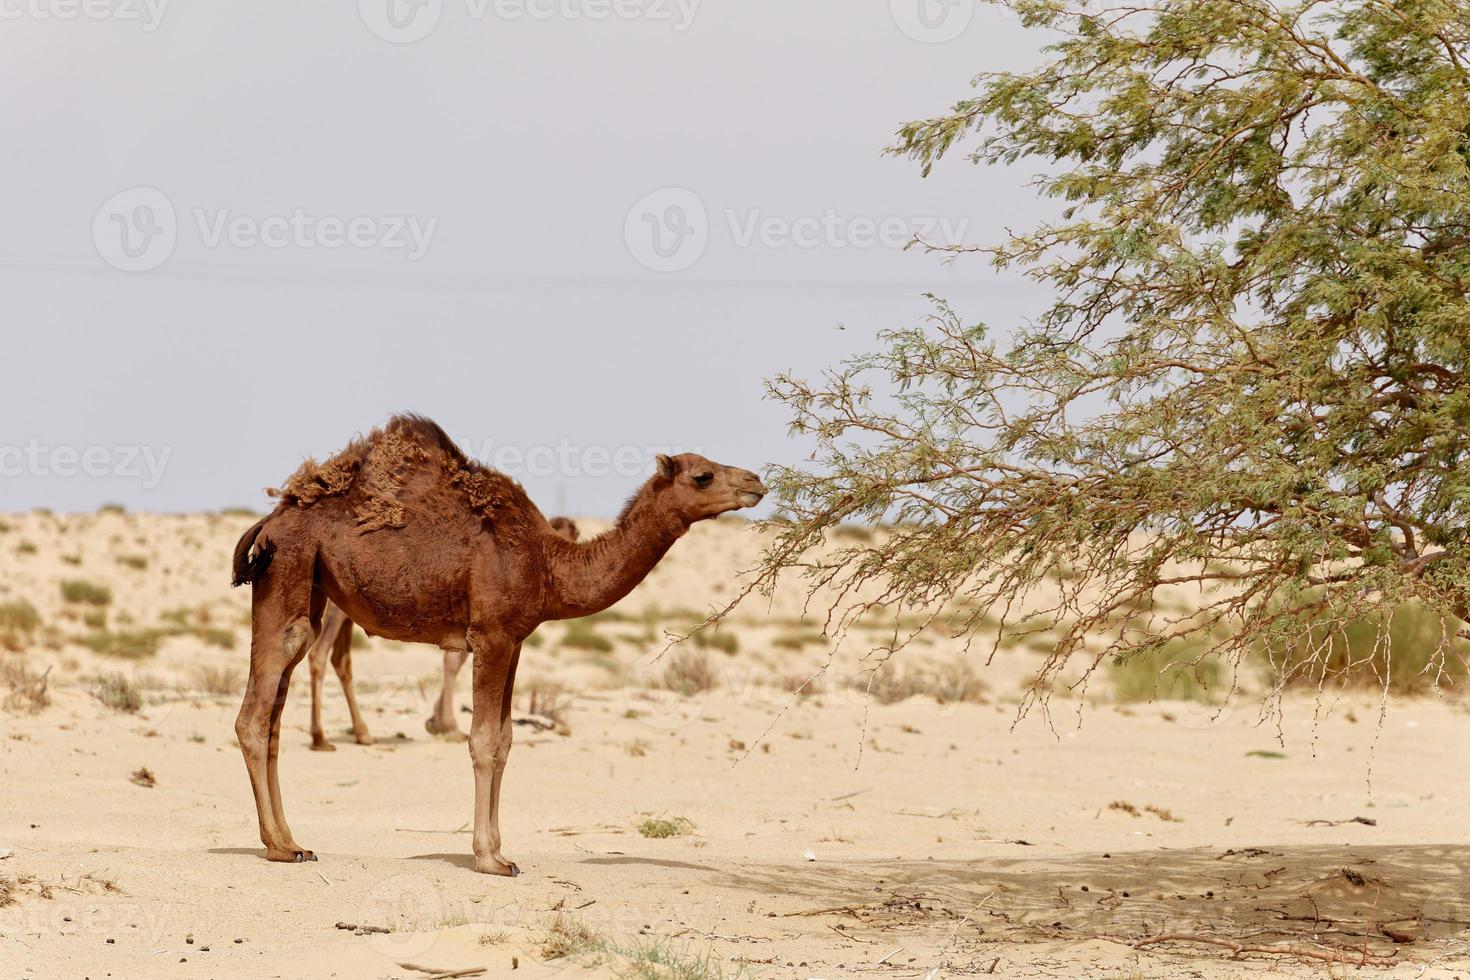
590,576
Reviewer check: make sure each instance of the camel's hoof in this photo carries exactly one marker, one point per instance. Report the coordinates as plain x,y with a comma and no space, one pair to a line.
505,869
366,740
323,746
289,857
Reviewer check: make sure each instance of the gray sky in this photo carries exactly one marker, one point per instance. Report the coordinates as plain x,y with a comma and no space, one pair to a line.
235,235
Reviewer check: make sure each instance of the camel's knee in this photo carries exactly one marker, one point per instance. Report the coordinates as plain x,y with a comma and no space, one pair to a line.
252,736
487,748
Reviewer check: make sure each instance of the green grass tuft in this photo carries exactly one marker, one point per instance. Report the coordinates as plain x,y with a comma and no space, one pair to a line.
82,591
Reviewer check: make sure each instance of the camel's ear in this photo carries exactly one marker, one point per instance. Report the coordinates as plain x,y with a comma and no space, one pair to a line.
665,467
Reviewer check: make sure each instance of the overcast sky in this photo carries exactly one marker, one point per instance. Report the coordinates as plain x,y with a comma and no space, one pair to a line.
236,235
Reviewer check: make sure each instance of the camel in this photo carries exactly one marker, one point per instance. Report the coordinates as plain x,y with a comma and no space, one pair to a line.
416,542
335,641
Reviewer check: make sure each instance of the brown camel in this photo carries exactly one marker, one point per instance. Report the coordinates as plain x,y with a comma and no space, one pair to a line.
335,640
416,542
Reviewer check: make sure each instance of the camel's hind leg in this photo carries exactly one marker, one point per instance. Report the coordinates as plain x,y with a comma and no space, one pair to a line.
281,632
442,721
342,664
317,659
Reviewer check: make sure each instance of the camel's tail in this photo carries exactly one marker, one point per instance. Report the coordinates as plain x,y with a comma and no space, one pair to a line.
251,561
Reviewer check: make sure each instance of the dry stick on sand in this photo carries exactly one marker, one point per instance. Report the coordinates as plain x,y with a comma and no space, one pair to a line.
438,974
1239,949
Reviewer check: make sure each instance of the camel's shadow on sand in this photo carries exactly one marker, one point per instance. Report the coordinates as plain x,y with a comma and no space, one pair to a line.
1337,896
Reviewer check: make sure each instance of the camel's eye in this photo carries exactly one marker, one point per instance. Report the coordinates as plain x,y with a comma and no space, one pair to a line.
703,480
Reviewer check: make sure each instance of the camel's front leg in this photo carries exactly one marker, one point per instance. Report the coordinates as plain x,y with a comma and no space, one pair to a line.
490,739
442,721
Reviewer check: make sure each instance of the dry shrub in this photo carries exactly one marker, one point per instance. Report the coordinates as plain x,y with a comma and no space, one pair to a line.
805,685
688,672
955,682
890,685
549,700
28,690
220,680
143,776
713,639
797,639
118,693
1412,654
570,936
659,829
18,620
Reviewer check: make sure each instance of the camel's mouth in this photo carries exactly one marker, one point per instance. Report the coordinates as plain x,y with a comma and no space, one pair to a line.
750,499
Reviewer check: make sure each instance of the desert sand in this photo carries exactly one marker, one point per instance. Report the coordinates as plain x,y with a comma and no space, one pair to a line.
818,835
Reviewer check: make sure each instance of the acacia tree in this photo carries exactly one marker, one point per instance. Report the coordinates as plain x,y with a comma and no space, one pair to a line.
1250,379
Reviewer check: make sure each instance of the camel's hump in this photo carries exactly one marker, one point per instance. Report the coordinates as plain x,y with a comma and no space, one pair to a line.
409,457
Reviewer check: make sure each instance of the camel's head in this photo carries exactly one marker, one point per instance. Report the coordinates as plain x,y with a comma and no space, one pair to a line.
700,488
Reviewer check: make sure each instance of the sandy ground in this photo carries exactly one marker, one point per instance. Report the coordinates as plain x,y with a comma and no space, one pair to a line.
821,836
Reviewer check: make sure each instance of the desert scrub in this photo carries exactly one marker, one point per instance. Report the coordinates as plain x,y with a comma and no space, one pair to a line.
688,672
212,679
128,644
725,642
88,593
582,635
18,616
111,508
1183,670
26,548
27,689
137,563
1412,652
797,639
661,828
955,682
118,693
569,936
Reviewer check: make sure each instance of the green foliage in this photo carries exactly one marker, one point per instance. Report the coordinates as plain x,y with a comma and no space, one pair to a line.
582,635
661,828
1250,378
82,591
18,616
128,644
726,642
1184,670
